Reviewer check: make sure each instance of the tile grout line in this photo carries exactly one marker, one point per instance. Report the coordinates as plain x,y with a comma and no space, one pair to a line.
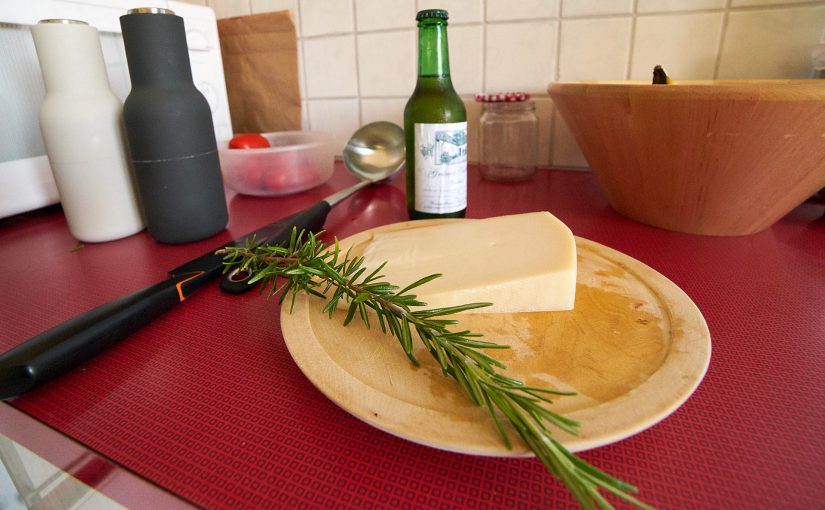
557,74
557,66
722,36
484,50
634,14
631,47
483,71
304,90
634,17
355,33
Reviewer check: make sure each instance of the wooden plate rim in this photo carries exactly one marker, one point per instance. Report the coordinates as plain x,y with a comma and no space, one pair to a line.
687,359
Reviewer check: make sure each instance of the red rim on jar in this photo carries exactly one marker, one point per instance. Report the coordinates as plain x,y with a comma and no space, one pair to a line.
503,97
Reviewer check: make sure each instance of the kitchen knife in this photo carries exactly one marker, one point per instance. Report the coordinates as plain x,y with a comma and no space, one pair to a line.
70,343
237,282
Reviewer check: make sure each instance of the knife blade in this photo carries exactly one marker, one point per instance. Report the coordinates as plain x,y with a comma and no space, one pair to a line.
63,347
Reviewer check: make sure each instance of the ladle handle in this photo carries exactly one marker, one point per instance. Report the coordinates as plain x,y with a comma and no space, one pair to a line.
333,199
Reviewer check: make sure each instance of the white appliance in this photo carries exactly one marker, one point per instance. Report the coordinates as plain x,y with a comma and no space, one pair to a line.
26,181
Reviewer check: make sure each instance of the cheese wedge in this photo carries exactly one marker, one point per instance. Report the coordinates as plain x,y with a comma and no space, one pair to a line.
520,263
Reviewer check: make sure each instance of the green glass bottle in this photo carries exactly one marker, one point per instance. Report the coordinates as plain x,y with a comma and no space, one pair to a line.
435,126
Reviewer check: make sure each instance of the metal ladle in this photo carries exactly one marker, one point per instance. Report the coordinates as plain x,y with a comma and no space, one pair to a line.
373,154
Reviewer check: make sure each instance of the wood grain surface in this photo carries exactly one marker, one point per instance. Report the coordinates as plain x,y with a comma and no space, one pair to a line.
704,157
634,349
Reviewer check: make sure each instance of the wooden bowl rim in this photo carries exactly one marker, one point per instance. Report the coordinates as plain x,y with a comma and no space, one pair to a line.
776,90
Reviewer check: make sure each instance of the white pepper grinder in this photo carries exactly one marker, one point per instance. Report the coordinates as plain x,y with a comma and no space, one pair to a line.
81,121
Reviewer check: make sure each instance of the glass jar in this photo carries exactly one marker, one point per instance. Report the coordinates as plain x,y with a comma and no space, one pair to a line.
508,135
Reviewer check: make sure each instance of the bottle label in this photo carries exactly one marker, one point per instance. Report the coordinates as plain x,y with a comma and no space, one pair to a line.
441,167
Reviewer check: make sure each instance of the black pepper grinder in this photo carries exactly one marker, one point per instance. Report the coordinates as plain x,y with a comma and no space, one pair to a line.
170,131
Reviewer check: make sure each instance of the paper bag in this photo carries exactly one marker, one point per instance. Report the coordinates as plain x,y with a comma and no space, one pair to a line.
260,61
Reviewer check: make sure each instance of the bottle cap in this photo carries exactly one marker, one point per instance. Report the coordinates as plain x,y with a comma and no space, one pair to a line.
431,13
503,97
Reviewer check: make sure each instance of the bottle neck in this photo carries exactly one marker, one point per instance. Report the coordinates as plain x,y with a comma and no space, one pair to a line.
433,54
70,56
156,50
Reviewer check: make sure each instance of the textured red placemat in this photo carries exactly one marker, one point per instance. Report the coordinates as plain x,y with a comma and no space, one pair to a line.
207,403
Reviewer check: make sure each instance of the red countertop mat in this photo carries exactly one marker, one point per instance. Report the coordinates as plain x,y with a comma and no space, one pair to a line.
206,402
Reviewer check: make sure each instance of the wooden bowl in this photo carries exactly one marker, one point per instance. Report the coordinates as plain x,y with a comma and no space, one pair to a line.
703,157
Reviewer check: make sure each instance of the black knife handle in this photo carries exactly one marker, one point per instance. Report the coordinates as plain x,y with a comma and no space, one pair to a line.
310,219
68,344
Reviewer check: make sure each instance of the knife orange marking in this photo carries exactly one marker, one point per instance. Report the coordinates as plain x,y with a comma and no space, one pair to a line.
179,285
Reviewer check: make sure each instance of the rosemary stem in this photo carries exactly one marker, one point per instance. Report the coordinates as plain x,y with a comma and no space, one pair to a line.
311,266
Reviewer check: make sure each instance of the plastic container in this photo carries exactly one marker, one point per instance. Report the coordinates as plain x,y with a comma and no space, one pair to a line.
296,161
508,136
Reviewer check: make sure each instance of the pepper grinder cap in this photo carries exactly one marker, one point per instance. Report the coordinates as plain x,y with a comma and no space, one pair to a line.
151,10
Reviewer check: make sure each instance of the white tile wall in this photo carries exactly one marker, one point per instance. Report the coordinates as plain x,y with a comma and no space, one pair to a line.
461,11
323,17
573,8
648,6
772,42
385,60
330,67
230,8
383,109
507,10
582,59
655,43
258,6
467,43
383,14
337,116
520,56
358,57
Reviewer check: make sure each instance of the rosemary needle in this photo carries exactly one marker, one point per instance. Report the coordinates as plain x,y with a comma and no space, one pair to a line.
309,265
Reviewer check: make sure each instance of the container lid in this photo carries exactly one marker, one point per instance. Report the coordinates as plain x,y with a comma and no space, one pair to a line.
61,21
431,13
503,97
151,10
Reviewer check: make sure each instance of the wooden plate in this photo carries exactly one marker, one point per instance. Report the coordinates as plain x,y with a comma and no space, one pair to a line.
634,349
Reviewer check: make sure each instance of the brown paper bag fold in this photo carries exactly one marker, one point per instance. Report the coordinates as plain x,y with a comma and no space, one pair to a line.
260,61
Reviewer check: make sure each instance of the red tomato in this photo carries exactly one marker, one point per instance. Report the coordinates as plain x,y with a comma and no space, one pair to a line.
248,141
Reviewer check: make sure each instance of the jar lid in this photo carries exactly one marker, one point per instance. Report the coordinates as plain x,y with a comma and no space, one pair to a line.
503,97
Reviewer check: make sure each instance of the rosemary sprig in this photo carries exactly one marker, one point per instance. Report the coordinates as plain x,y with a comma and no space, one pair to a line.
309,265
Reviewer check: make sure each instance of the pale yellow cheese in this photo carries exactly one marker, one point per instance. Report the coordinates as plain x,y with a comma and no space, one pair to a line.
521,263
